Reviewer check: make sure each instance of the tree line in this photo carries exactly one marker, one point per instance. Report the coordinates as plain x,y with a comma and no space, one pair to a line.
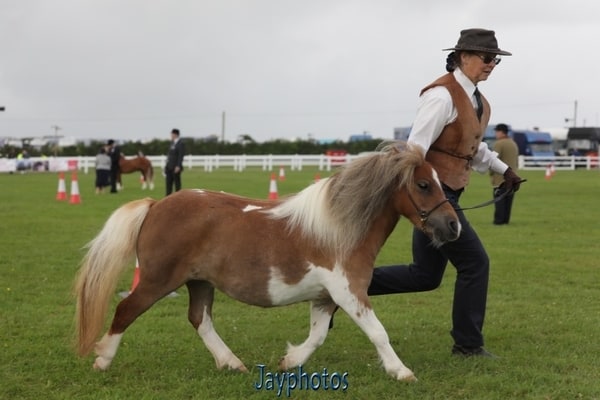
204,147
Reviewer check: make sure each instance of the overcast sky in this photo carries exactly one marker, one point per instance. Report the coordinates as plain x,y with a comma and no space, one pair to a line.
132,69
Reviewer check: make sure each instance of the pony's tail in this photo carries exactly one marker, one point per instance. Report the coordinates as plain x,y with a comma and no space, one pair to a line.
108,255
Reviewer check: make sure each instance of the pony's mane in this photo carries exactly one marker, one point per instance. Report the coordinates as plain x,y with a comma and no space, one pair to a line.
338,211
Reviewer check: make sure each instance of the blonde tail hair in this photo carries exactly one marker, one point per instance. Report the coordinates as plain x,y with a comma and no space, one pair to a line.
108,255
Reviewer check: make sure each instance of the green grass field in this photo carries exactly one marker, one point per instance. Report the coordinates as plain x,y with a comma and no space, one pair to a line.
543,308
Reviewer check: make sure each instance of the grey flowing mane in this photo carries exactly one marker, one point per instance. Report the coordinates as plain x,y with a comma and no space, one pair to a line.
339,210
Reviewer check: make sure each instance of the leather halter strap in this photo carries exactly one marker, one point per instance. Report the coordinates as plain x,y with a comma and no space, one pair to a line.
424,215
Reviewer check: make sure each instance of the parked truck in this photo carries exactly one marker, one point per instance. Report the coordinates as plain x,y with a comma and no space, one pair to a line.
530,142
533,143
583,141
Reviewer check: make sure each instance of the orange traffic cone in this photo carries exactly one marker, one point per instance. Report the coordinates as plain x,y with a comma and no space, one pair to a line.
136,280
273,188
317,177
75,198
548,175
62,189
136,276
281,174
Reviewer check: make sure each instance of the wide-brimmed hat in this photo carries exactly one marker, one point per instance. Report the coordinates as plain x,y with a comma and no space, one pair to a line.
478,40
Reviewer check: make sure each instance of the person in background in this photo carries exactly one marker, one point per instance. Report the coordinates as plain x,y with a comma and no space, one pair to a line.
508,152
451,118
114,152
23,162
103,164
174,165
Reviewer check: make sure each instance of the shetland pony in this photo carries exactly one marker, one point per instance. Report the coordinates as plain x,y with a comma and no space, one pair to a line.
318,245
139,163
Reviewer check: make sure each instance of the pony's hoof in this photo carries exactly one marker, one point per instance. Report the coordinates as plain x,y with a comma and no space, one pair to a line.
403,374
285,364
405,377
232,365
410,378
282,365
101,364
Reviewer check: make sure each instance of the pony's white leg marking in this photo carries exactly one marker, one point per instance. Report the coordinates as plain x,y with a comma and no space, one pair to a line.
222,354
144,185
106,349
319,326
365,318
151,185
392,364
336,283
367,321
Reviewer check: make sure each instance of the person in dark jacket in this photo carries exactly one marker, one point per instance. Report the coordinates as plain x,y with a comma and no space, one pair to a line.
174,165
114,153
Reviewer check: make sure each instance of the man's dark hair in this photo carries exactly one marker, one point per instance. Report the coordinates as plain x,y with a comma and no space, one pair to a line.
502,128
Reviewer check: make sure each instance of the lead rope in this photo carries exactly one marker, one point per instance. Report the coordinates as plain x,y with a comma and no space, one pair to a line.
492,201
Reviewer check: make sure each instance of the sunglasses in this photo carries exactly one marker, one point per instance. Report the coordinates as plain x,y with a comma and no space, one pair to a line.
489,58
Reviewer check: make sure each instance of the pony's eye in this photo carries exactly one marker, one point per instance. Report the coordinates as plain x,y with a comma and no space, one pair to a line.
423,185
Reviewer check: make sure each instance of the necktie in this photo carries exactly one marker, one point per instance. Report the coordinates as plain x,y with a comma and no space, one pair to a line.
479,103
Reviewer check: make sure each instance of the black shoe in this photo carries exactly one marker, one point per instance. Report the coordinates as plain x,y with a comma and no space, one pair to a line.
471,352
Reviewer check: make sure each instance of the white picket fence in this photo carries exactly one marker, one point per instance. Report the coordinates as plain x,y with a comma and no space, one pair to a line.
267,162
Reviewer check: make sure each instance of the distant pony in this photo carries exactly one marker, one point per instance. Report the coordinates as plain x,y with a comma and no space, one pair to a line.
139,163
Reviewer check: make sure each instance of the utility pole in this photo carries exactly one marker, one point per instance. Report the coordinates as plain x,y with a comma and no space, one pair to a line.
56,129
574,119
223,127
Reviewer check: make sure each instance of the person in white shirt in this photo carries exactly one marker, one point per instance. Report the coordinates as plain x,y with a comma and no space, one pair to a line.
451,118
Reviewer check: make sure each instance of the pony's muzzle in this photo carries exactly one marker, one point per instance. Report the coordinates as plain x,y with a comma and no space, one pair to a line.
443,230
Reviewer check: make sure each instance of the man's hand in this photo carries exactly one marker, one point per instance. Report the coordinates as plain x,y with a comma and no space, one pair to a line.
512,181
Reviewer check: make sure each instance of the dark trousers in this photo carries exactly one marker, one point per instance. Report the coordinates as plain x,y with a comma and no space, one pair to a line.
470,259
114,175
502,206
173,179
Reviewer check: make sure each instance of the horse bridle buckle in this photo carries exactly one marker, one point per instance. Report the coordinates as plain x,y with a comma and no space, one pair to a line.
424,215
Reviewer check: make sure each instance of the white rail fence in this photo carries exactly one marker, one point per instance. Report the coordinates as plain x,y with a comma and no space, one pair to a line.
267,162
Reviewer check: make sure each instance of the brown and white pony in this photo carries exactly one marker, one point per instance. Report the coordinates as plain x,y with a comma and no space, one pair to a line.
318,245
138,164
